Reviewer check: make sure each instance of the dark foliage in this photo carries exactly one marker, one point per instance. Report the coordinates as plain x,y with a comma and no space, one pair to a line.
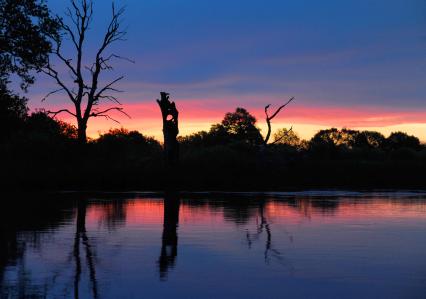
241,125
47,155
24,45
126,145
41,128
237,127
13,113
400,140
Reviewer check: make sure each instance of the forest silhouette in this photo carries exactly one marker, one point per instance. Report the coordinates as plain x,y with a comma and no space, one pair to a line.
40,152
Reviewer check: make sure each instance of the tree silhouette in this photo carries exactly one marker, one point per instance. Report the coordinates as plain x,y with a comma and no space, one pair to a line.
269,118
170,129
169,244
13,112
127,143
86,94
369,139
24,47
288,137
25,28
40,127
398,140
82,238
241,126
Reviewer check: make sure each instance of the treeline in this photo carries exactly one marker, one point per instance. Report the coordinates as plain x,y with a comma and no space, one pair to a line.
40,152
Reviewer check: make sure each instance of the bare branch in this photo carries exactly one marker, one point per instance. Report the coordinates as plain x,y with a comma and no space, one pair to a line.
54,74
279,109
63,59
284,135
110,98
119,57
69,32
54,113
104,62
269,118
52,92
108,87
104,113
119,109
113,31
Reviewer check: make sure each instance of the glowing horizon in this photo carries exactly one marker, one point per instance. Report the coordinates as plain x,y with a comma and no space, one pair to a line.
196,116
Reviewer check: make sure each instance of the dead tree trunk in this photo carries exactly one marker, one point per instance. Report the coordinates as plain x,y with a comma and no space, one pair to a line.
170,130
269,118
81,132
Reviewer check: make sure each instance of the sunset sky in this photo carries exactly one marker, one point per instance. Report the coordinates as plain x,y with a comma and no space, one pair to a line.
357,64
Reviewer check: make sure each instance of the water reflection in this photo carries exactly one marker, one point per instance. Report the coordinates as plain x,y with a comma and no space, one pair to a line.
81,239
169,245
106,245
263,227
22,228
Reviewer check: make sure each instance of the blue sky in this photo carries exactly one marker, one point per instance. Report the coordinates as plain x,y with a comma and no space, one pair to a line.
340,54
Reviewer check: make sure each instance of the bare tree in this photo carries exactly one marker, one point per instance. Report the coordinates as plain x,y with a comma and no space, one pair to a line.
270,117
85,92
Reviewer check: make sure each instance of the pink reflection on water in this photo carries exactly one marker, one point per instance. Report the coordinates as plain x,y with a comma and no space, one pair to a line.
151,211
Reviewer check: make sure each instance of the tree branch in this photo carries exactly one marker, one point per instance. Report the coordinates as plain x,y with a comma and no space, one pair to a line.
108,87
104,113
84,89
286,134
54,113
52,92
54,74
269,118
63,59
278,110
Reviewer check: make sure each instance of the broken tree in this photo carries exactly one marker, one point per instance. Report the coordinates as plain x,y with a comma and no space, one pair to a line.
270,117
170,129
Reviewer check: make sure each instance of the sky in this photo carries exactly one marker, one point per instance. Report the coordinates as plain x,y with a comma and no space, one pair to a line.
357,63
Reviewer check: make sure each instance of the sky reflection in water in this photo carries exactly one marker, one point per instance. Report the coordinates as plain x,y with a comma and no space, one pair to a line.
214,246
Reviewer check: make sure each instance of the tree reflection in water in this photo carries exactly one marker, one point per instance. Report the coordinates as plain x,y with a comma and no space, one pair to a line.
113,215
263,226
169,245
23,227
82,238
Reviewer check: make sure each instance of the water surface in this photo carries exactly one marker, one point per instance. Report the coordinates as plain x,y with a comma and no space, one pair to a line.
277,245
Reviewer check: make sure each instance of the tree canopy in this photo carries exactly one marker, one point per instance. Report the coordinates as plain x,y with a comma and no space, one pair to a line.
24,44
241,125
288,137
13,112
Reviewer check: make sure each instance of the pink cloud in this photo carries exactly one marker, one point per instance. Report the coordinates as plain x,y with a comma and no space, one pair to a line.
213,109
333,116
